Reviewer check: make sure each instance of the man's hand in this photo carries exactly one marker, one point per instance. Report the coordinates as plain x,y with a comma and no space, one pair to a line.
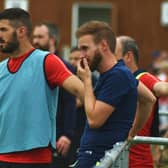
83,70
131,135
63,145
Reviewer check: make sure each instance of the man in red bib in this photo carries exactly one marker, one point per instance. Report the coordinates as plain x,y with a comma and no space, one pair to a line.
28,83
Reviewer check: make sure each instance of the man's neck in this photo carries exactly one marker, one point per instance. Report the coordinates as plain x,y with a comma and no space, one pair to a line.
133,68
107,64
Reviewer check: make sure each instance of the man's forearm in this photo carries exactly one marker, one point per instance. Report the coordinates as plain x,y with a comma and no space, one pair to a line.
89,99
143,112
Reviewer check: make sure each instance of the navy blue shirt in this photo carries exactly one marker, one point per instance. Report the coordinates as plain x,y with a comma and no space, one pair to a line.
117,87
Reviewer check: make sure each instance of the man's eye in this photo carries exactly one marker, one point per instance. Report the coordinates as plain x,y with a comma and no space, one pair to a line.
84,48
3,29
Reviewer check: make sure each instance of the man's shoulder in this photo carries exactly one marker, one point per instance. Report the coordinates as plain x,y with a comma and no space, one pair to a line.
39,54
144,74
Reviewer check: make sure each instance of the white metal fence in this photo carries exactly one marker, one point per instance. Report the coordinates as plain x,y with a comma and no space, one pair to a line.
117,157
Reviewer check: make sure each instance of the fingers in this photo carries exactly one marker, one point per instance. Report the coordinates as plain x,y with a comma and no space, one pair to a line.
82,64
78,65
63,145
63,149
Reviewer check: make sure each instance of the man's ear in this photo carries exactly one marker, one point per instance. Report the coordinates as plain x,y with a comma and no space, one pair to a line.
21,31
103,45
53,41
129,56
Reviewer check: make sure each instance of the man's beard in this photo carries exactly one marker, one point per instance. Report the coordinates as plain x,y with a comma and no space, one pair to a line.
95,61
44,48
11,46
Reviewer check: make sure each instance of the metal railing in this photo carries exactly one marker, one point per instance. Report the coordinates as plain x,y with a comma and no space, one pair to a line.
149,140
163,113
117,157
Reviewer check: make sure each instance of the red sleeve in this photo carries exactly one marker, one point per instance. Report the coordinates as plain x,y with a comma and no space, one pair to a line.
55,70
149,80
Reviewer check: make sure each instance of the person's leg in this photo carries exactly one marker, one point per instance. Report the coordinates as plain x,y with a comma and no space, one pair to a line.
89,158
59,162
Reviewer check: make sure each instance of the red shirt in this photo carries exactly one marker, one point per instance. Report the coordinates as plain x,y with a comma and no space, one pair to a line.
56,72
140,155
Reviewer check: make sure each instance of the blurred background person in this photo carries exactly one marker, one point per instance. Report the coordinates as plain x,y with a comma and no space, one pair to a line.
74,56
163,101
160,69
46,36
157,58
140,155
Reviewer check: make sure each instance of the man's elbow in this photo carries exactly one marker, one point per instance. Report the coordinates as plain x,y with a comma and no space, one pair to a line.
153,100
94,123
150,104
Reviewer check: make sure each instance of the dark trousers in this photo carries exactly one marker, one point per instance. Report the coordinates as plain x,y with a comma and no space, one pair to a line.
60,161
20,165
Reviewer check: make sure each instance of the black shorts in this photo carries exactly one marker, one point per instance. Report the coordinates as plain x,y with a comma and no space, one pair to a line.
23,165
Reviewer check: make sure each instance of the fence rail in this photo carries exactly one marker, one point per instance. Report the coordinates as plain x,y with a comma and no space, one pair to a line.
149,140
163,113
117,157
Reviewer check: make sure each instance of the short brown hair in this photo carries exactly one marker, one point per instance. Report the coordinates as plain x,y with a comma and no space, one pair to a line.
99,30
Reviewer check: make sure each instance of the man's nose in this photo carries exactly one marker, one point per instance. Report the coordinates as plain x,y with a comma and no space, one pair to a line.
35,41
82,54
